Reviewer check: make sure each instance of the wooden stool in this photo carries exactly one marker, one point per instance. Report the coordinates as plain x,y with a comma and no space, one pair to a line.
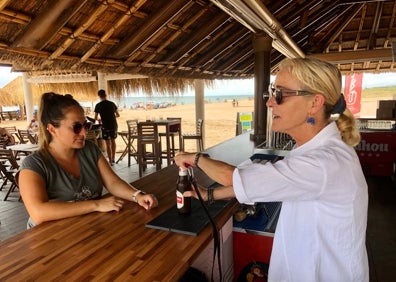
195,136
174,130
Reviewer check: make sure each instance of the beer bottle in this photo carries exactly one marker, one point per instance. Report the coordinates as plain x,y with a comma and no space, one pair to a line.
183,184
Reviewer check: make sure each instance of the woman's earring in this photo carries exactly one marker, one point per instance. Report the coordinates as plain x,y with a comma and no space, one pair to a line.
311,121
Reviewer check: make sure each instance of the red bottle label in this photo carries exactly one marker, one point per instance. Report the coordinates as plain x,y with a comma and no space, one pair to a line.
179,200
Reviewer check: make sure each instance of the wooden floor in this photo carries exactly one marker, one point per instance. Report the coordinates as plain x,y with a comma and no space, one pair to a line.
381,231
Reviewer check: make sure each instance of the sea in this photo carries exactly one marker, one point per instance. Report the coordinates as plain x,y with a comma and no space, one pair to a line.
134,102
154,102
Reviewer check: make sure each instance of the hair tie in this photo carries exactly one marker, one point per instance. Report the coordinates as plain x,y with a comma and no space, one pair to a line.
340,106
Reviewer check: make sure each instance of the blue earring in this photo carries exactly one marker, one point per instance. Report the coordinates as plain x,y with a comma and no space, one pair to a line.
311,121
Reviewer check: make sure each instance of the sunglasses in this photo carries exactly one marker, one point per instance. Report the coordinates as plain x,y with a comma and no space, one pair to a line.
77,127
280,93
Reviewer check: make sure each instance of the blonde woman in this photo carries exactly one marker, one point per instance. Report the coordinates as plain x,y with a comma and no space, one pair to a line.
320,234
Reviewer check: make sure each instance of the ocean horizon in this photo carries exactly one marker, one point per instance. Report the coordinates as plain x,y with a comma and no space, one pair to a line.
133,102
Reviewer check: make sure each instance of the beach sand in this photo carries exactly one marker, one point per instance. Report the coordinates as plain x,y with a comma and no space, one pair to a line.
219,121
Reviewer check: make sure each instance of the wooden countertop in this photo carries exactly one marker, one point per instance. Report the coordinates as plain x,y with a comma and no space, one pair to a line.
108,246
116,246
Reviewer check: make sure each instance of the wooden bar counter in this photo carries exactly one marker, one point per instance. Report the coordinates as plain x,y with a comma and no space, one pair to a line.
114,246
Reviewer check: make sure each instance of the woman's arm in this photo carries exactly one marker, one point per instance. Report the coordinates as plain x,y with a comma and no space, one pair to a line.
219,171
219,193
31,124
120,188
34,195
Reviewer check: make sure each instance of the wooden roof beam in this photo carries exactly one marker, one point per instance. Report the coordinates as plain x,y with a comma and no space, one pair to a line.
217,23
228,64
155,23
77,32
333,32
23,19
356,56
3,4
128,13
361,24
371,44
390,26
208,45
175,35
40,31
220,46
158,33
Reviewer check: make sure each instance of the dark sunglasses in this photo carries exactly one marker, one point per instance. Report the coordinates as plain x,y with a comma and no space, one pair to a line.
280,93
77,127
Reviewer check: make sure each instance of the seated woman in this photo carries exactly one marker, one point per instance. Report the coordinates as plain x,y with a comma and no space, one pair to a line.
66,176
6,138
33,126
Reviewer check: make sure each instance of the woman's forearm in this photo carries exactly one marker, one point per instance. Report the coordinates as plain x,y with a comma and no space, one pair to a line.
58,210
221,193
219,171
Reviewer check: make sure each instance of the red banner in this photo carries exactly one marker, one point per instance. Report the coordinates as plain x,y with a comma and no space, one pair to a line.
353,92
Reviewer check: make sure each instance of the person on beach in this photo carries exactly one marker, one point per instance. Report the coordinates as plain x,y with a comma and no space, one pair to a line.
33,126
66,176
320,233
108,112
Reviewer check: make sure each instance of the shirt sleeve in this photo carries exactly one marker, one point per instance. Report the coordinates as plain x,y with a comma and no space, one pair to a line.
297,178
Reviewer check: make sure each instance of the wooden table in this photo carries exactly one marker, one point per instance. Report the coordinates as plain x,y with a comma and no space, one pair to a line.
108,246
26,148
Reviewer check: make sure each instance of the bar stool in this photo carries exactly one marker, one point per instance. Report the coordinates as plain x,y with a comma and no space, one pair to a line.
195,136
174,130
149,146
132,136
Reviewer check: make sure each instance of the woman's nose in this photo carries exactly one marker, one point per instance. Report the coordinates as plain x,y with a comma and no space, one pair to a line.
270,102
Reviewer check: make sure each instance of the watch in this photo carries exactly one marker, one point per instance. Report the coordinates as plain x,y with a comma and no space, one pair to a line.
197,156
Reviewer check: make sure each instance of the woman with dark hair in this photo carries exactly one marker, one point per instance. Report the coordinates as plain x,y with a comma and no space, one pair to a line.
66,176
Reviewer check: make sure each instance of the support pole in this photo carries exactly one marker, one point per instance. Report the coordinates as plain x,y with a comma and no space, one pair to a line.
262,45
102,82
28,95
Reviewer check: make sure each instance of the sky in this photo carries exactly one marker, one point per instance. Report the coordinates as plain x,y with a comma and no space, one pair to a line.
239,86
7,76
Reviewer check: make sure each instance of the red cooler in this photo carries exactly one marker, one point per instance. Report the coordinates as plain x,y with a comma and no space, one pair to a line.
377,152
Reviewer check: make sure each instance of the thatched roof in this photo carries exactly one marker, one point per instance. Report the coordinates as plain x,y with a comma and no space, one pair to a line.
192,39
12,93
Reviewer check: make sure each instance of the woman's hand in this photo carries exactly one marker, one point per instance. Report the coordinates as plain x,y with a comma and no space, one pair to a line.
108,204
192,193
184,160
147,201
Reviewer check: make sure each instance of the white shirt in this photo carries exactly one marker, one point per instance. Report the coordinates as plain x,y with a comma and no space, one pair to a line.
320,234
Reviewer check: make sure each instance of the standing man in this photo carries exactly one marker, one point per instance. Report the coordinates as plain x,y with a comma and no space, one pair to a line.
108,114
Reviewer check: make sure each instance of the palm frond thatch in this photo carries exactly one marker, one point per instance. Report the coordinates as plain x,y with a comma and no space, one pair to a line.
13,93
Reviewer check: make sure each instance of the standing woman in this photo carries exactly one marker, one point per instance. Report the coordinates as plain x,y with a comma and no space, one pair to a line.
66,176
321,230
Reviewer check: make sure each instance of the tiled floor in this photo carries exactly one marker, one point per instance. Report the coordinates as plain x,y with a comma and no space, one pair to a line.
381,231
